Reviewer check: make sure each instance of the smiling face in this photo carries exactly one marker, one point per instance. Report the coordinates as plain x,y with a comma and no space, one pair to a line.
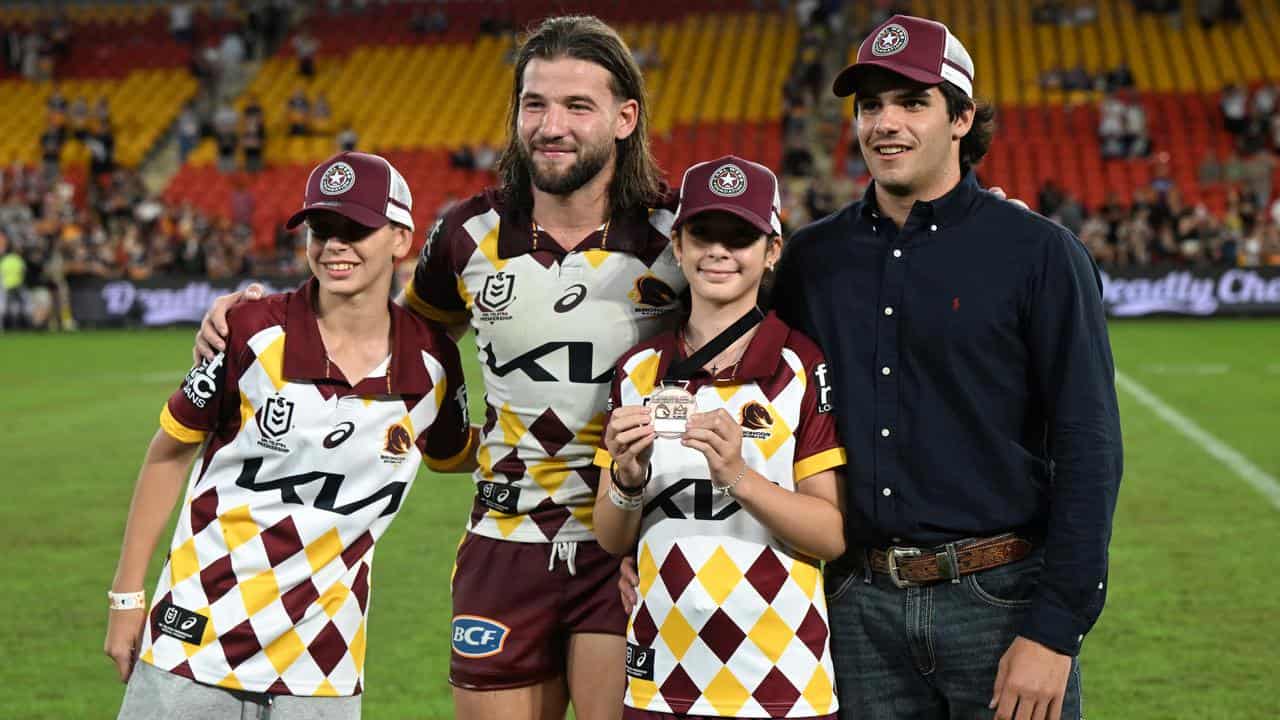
350,259
910,143
724,257
568,122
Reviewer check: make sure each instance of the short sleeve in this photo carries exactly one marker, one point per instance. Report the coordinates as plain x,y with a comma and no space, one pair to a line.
448,442
817,443
433,291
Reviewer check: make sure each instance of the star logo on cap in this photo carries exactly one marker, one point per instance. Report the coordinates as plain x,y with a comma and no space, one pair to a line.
890,40
337,179
728,181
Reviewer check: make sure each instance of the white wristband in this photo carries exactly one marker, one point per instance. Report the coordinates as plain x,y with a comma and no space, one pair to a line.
127,601
622,502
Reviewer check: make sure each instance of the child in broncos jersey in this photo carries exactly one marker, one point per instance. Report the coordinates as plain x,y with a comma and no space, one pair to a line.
733,512
311,426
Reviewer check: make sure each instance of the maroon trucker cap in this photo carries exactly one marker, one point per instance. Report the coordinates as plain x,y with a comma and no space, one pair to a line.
741,187
923,50
362,187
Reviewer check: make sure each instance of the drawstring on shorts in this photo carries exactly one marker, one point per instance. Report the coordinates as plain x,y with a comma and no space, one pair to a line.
567,551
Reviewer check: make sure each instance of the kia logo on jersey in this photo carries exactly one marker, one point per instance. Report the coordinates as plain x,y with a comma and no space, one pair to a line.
478,637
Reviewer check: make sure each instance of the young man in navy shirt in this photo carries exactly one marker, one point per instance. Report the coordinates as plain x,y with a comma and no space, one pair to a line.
974,386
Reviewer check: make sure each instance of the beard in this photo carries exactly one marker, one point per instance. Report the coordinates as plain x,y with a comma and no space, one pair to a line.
591,160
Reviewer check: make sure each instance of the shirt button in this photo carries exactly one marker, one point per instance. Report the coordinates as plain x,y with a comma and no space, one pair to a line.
884,432
1099,586
886,492
933,228
897,253
897,540
1079,638
885,370
888,311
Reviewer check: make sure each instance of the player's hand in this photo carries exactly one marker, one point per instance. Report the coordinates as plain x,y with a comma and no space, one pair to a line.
718,437
628,582
211,338
124,637
1000,193
1031,681
629,440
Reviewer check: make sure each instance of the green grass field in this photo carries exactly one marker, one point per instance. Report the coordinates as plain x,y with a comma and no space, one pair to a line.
1190,630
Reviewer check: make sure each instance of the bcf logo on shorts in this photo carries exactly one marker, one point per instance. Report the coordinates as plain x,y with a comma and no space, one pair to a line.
478,637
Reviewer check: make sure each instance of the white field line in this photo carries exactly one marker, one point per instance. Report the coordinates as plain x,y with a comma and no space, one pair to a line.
1261,481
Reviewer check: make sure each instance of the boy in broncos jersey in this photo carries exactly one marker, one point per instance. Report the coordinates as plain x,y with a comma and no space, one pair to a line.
310,426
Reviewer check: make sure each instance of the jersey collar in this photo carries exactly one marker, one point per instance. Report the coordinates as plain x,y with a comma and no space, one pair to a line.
759,362
629,231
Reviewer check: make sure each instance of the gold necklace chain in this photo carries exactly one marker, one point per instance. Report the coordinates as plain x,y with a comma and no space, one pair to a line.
604,240
690,350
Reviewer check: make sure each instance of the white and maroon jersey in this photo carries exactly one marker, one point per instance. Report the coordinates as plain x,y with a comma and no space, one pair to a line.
549,327
731,622
266,587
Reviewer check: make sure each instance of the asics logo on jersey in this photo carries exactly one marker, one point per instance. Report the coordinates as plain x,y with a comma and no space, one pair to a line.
572,298
478,637
580,356
327,497
674,502
339,435
202,382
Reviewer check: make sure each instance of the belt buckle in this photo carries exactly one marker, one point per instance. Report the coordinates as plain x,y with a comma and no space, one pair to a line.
892,555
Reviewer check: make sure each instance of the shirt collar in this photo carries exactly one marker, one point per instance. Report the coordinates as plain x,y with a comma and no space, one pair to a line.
946,210
759,361
305,357
628,231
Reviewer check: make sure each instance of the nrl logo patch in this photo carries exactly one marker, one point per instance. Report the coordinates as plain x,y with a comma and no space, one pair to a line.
337,179
728,181
890,40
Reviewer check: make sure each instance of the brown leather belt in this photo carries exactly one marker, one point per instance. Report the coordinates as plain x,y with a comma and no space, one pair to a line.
912,567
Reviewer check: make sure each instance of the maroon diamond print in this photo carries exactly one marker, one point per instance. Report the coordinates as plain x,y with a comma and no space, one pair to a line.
679,691
156,613
298,600
218,578
279,688
281,541
549,517
722,635
767,575
676,573
184,670
203,510
776,694
511,467
357,550
813,632
644,628
550,433
328,648
239,644
779,382
360,587
490,419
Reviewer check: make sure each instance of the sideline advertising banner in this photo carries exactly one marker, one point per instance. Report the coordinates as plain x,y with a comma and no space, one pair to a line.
156,301
1135,292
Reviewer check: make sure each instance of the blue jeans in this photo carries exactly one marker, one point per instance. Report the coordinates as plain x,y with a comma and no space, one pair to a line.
928,652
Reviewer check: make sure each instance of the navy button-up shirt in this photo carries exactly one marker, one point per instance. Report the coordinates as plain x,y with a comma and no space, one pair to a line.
974,384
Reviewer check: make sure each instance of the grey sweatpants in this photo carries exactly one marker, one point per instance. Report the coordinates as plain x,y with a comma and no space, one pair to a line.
154,694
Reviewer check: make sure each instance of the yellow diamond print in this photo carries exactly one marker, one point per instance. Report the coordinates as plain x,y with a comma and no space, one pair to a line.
357,647
333,599
778,435
489,248
585,515
806,576
719,575
507,524
642,692
324,689
819,692
246,411
238,527
549,475
725,693
463,293
596,257
590,433
231,682
183,562
512,428
677,633
485,462
149,657
324,549
647,569
645,374
284,651
272,361
726,392
771,634
260,591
